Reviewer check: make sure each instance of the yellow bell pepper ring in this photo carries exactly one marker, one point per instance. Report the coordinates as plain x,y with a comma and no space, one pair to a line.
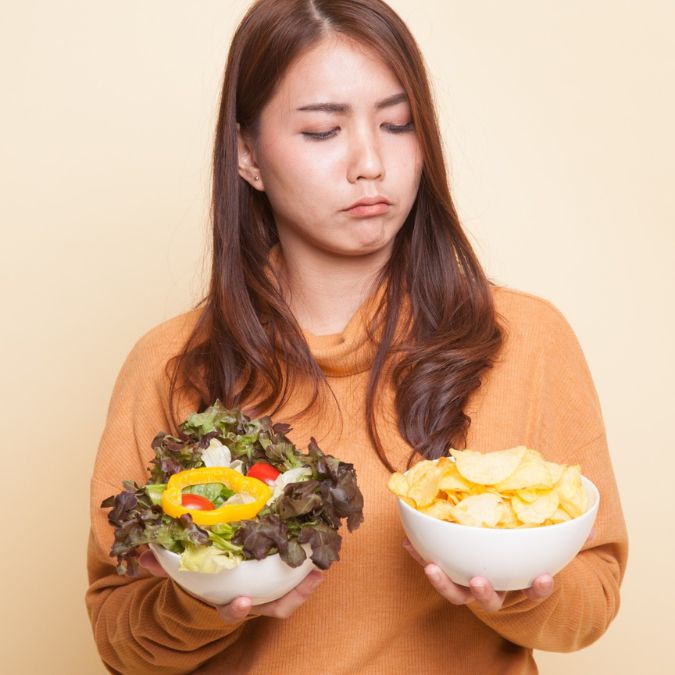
227,513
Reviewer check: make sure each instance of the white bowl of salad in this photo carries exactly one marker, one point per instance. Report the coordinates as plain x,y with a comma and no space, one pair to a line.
261,580
233,508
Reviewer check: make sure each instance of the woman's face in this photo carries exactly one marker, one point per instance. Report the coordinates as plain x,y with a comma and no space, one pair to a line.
336,131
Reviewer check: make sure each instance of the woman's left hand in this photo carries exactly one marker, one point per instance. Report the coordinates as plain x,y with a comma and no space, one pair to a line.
479,589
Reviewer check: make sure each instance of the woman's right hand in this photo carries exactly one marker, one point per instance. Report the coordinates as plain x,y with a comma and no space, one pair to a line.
242,606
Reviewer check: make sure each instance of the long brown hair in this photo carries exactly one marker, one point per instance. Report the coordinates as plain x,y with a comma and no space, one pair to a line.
247,346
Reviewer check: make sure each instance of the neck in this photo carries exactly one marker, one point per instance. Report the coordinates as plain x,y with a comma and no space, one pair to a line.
325,290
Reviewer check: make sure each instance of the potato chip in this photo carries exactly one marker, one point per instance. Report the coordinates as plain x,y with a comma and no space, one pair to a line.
398,484
571,491
538,511
532,473
527,495
484,510
420,471
556,471
509,517
423,480
440,509
452,497
451,480
560,516
489,468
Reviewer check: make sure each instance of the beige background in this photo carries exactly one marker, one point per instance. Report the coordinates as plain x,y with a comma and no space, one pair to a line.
558,122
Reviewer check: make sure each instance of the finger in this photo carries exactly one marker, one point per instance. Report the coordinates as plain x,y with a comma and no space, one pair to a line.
457,595
148,562
413,553
237,610
541,587
486,596
286,605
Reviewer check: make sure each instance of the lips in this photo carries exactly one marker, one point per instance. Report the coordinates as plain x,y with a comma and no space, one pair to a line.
369,206
369,201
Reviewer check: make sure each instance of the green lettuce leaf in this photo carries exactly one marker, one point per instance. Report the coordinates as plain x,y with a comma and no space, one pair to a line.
214,492
154,491
221,536
207,559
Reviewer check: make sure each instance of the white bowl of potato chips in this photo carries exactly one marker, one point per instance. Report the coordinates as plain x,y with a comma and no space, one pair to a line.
507,515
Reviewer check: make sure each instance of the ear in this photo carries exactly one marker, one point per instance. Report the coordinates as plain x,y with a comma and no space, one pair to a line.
248,167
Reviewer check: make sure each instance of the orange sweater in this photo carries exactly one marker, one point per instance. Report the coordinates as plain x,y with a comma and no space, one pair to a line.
375,612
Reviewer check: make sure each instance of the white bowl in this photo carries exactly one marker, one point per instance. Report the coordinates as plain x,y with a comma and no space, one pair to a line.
510,559
261,580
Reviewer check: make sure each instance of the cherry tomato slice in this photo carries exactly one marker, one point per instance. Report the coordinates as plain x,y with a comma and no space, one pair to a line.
196,502
264,472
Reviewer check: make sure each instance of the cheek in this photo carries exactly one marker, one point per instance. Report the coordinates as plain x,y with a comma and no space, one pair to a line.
406,167
295,176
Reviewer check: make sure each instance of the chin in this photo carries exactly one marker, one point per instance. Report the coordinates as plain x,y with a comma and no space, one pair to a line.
362,248
371,240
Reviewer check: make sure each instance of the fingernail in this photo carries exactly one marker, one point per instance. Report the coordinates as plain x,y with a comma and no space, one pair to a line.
545,584
434,574
242,606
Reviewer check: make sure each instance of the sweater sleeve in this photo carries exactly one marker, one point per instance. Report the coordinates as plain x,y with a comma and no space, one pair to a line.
566,424
145,624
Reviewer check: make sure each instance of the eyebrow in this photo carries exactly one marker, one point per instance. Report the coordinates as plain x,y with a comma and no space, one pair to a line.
346,108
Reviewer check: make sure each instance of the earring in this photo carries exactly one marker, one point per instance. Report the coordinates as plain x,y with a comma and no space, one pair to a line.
256,178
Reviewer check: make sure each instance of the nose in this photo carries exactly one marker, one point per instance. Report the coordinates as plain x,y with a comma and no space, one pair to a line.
365,159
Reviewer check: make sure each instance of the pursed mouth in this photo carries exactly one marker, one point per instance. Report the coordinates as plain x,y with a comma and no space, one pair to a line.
370,201
365,210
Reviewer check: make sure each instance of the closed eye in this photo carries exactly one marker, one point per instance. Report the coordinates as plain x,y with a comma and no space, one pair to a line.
319,135
399,128
324,135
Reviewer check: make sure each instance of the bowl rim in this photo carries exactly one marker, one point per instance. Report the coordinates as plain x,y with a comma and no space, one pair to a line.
253,560
587,482
176,556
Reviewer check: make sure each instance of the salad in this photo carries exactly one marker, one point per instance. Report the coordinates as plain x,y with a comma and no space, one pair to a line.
230,488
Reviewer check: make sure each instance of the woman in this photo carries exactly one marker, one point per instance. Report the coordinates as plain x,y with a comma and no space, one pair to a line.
346,298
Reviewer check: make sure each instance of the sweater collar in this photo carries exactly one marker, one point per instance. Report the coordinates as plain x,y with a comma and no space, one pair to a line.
352,350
